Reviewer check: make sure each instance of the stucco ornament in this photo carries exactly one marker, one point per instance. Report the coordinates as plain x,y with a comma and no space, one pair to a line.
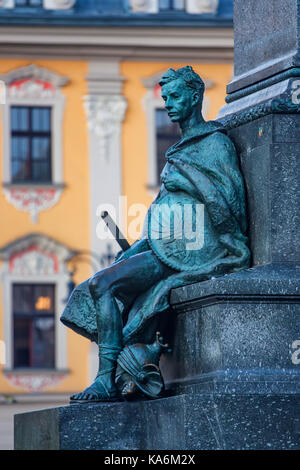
123,306
104,115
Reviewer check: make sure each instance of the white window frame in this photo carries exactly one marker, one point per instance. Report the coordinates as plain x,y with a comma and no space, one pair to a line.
60,279
56,102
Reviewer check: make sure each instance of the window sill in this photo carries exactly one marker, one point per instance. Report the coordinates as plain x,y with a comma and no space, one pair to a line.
31,371
34,185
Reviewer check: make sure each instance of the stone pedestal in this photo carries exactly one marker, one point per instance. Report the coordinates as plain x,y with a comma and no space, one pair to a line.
183,422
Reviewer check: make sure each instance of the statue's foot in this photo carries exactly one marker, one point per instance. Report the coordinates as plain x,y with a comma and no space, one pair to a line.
103,389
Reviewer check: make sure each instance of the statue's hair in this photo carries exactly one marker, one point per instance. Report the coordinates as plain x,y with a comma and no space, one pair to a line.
191,78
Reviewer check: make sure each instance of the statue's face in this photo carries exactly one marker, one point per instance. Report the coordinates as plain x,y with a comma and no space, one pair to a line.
179,100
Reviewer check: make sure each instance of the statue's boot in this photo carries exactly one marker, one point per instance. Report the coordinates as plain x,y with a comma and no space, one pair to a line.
103,388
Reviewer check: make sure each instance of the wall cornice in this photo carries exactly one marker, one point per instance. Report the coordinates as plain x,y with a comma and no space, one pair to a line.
211,44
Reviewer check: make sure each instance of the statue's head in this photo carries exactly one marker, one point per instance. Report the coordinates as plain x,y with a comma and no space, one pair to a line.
182,90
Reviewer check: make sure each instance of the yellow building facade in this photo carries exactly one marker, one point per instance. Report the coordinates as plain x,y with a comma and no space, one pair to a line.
103,136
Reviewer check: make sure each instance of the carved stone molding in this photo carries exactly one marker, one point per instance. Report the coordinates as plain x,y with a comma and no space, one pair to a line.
58,4
202,6
33,71
104,115
274,99
37,242
31,199
33,262
31,88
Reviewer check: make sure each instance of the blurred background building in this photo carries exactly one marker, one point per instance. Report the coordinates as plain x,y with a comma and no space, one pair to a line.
83,123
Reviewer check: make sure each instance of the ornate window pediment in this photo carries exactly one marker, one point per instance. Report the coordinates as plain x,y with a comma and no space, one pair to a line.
36,255
34,73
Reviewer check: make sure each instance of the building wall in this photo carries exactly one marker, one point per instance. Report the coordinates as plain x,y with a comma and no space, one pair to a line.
68,221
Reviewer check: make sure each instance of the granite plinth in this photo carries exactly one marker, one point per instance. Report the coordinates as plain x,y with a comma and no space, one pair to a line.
266,40
185,422
235,334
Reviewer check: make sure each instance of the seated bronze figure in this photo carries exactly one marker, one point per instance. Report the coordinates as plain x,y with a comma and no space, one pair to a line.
120,306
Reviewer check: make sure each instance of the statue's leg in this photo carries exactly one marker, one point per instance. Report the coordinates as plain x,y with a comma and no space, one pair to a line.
124,280
109,325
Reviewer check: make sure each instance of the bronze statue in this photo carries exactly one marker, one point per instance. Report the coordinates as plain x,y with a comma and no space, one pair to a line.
119,307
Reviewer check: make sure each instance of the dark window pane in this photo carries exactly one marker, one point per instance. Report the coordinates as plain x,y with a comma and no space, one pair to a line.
41,119
31,144
43,342
34,325
40,148
44,298
19,118
20,148
22,335
167,134
23,298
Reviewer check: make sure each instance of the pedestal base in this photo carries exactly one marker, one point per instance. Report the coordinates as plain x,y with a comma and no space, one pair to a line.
183,422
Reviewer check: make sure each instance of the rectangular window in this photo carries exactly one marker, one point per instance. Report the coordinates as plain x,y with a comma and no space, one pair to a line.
30,144
167,133
28,3
165,5
34,325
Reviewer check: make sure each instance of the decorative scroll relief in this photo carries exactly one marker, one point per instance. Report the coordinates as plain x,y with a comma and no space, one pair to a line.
33,262
34,382
202,6
58,4
31,88
32,200
144,6
105,114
